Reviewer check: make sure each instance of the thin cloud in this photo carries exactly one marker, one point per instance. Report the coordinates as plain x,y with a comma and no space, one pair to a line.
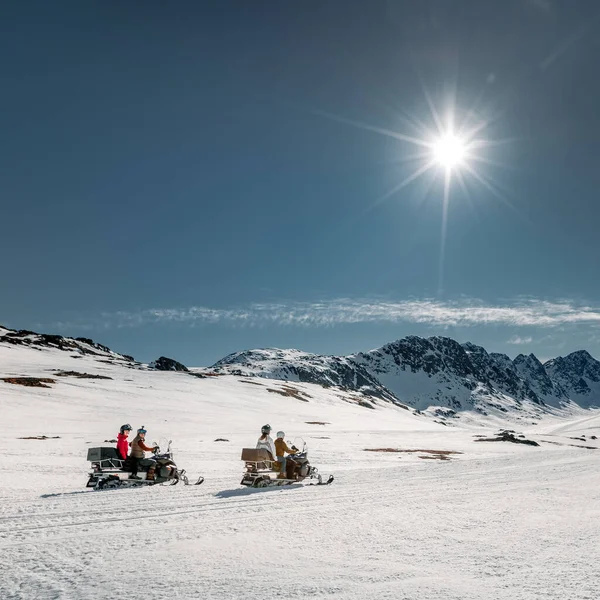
518,340
340,311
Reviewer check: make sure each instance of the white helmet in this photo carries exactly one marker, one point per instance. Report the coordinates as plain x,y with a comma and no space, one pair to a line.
281,434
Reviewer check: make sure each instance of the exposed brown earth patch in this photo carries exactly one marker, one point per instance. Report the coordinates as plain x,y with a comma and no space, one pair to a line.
411,451
571,445
40,437
250,382
29,381
436,457
354,400
290,392
317,423
81,375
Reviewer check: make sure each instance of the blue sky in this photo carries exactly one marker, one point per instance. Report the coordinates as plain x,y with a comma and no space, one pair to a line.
191,179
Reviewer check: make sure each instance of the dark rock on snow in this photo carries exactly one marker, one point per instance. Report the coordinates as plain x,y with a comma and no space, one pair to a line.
167,364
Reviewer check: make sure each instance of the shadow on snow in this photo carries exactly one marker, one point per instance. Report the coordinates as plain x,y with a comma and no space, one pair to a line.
248,491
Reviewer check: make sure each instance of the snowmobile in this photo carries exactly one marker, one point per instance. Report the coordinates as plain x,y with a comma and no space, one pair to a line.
108,470
262,471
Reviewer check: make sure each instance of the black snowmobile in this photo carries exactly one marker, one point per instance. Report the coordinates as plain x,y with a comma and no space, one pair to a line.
262,471
108,470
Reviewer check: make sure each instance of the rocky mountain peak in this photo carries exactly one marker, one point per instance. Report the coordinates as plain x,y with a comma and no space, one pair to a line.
78,346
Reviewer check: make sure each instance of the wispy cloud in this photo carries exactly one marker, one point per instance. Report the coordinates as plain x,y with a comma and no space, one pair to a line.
326,313
518,340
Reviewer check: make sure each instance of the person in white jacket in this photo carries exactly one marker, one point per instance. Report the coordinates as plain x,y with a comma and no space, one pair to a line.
265,441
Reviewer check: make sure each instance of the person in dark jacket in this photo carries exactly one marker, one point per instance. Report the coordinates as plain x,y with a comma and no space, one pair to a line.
136,458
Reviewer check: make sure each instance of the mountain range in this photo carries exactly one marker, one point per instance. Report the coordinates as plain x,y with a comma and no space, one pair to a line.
436,375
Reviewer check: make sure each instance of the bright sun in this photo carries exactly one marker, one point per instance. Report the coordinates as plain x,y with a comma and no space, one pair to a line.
449,151
447,144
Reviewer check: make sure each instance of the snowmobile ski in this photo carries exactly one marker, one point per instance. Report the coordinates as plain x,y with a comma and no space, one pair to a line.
329,480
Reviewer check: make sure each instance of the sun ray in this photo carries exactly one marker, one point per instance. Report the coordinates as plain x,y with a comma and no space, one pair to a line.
463,186
493,163
375,129
418,156
412,177
488,185
445,203
470,115
433,111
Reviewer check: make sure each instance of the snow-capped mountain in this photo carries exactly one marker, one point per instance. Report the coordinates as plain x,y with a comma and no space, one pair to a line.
531,370
438,372
578,376
294,365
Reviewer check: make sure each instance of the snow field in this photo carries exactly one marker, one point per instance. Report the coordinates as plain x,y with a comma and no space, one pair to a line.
497,521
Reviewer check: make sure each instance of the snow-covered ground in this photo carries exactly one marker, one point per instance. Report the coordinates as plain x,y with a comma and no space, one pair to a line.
497,521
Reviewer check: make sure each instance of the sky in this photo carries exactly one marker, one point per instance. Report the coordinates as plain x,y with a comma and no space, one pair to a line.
192,179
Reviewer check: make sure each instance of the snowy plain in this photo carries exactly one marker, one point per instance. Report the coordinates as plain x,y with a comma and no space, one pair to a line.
496,521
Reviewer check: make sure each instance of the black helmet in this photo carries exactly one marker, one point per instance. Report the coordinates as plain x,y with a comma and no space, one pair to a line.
266,429
126,427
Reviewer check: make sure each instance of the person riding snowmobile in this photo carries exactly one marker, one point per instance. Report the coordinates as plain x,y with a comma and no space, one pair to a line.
288,465
122,443
136,458
265,441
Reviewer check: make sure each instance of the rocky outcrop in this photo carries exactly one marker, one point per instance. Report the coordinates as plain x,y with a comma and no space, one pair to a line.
167,364
79,346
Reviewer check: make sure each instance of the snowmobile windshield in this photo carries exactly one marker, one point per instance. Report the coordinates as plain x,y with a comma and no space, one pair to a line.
299,443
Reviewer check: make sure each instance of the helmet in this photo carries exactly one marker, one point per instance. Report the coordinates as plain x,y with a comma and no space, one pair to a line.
141,430
281,434
265,429
126,427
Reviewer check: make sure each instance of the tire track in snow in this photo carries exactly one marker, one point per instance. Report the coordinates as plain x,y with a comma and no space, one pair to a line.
248,502
154,509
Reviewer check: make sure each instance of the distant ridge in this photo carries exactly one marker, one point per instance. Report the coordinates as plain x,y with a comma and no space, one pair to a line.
436,375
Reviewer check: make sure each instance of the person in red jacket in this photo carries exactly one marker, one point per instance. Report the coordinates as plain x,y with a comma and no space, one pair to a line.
122,442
